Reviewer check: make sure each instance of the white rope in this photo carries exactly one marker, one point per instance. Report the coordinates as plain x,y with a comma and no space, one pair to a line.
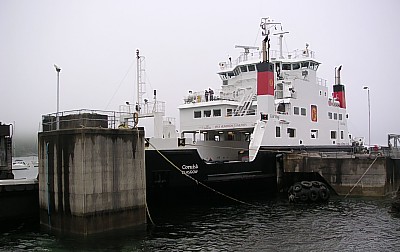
362,176
198,182
148,213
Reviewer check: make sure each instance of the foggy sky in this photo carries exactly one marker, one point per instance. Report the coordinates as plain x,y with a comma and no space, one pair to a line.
94,43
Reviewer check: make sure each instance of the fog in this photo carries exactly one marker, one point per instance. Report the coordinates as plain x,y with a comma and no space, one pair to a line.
94,43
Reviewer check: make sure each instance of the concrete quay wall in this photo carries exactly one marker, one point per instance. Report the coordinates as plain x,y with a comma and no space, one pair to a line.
343,172
91,179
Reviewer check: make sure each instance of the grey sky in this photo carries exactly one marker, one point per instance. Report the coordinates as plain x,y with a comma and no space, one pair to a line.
94,43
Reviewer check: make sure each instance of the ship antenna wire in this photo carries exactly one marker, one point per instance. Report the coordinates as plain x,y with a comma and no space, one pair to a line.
115,92
198,182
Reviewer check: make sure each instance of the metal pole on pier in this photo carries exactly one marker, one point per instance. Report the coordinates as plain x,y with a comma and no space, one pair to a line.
369,117
58,70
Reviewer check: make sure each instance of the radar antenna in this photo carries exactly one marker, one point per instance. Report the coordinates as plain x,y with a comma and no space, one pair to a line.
246,50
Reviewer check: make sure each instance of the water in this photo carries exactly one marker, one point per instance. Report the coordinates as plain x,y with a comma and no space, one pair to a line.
355,224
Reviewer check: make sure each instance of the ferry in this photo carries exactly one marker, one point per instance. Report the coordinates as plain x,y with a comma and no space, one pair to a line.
231,139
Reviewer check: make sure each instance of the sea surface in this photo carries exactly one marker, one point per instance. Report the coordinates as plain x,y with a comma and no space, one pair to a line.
351,224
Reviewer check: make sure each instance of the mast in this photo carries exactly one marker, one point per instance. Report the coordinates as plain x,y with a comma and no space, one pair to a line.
140,80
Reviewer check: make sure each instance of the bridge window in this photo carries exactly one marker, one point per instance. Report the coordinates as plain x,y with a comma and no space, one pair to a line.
295,66
340,117
243,68
334,116
286,67
228,112
207,113
217,112
197,114
330,115
252,68
305,64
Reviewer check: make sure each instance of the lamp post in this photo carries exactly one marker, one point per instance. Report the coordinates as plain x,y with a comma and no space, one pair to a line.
58,70
369,117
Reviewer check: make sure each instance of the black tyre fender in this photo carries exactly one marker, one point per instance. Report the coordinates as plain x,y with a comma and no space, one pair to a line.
297,187
303,195
316,184
324,194
306,184
313,194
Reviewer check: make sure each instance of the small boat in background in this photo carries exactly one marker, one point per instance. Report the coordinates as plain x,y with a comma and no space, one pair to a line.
19,164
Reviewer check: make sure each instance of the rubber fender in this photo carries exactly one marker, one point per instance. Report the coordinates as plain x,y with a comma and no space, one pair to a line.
303,195
316,184
306,184
313,194
324,194
297,187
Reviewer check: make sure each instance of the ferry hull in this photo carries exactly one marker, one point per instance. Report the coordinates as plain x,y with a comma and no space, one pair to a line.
167,183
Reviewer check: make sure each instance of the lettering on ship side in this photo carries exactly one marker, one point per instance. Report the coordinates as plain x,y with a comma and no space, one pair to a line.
190,169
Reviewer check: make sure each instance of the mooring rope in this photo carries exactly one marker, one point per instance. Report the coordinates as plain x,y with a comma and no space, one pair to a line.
362,176
148,213
198,182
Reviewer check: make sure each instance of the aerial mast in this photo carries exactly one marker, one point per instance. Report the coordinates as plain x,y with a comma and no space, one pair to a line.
140,79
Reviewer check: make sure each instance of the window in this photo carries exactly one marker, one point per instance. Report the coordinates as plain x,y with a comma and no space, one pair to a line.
341,134
207,113
334,116
252,68
333,134
229,112
286,67
330,115
303,111
304,64
320,92
197,114
296,110
278,131
243,68
291,132
295,66
314,134
340,117
217,112
325,94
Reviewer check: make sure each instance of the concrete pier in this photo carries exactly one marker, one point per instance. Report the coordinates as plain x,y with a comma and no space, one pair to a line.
5,152
379,174
92,179
19,200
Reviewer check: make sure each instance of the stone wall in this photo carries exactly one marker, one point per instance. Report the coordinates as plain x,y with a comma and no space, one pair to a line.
343,172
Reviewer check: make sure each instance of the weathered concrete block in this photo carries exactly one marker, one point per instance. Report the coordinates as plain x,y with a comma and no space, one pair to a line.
88,172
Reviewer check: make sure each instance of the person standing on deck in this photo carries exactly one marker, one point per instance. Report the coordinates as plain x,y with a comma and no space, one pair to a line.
206,95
